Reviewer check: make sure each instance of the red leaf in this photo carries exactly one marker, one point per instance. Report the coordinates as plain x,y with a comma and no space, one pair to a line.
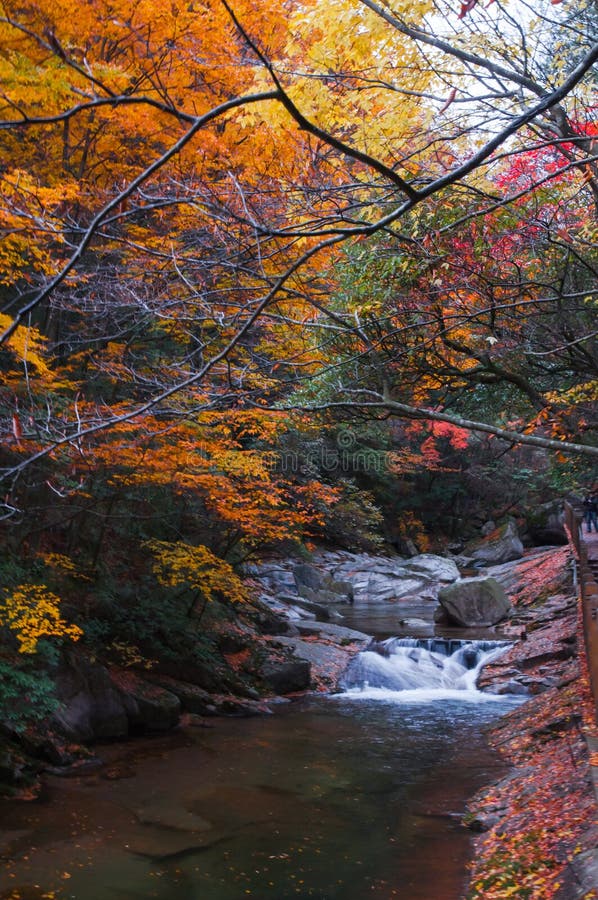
467,6
450,99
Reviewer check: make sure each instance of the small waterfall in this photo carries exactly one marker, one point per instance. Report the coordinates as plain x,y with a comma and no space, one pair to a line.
412,669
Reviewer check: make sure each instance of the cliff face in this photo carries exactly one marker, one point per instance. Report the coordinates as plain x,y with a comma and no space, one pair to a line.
538,833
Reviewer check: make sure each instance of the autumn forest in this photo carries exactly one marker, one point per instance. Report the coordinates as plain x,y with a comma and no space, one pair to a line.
276,277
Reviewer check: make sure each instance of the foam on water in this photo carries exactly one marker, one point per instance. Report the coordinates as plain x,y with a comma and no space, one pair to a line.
409,670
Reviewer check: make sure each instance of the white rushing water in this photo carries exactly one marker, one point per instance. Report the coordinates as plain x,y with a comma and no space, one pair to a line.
410,670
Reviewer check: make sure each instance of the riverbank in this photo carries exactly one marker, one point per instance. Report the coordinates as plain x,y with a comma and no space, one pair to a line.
537,833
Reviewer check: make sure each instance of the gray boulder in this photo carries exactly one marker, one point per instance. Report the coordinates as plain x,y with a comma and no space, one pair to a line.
308,576
322,597
437,568
322,612
473,602
286,676
192,698
320,587
344,588
500,546
149,707
383,587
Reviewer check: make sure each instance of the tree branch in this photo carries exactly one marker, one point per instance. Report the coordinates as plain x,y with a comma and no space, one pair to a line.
405,411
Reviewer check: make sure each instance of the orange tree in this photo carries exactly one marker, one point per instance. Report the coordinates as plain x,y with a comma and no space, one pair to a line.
177,184
179,168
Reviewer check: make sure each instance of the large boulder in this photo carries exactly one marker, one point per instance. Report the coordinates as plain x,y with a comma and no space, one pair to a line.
327,650
473,602
91,706
192,698
97,704
384,587
323,597
321,587
286,676
308,576
149,706
500,546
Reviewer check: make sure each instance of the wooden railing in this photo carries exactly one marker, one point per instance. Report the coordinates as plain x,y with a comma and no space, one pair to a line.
588,593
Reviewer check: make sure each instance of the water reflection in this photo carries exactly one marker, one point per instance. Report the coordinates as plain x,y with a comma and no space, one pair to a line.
329,798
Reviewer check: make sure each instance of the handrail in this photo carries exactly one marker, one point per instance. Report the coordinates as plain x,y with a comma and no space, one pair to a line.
588,593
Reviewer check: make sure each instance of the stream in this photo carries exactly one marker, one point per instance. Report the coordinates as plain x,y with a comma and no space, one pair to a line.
338,797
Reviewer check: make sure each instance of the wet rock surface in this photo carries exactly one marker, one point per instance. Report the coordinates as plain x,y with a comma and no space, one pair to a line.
313,598
337,577
545,655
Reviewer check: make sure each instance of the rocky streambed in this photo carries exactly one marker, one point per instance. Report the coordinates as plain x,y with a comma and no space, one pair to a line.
308,619
339,600
220,817
328,796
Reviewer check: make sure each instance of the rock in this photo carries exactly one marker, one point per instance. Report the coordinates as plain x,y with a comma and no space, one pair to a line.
320,587
473,602
383,587
276,578
483,822
76,768
414,623
149,706
234,640
455,547
437,568
328,651
286,676
98,704
192,698
16,768
322,613
297,609
12,766
307,576
228,705
463,561
270,622
322,597
500,546
580,877
339,634
193,720
509,687
342,587
441,616
92,707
